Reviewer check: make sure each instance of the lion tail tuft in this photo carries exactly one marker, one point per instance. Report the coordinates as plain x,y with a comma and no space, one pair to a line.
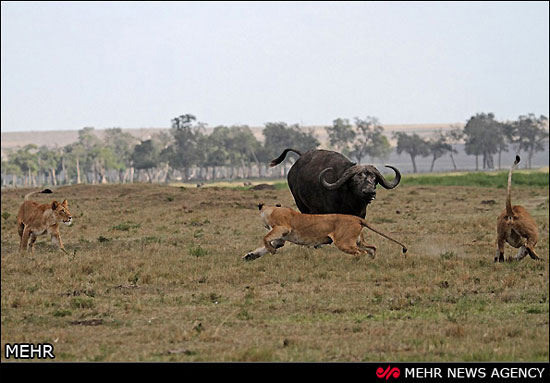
45,191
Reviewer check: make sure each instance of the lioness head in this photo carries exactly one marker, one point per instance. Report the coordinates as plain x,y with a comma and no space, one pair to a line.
261,205
61,211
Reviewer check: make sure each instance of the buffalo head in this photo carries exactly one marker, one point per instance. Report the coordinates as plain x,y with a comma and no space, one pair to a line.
362,180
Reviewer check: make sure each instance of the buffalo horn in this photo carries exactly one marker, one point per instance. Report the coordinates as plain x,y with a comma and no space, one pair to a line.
382,181
350,172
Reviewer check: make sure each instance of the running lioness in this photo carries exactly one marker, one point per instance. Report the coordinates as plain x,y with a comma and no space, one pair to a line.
286,224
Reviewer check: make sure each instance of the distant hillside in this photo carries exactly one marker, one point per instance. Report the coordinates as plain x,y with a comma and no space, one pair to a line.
60,138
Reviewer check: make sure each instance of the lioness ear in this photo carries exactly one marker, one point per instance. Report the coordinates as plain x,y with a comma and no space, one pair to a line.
260,205
65,203
55,204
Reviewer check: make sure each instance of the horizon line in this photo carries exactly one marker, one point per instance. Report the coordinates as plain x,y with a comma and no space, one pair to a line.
214,126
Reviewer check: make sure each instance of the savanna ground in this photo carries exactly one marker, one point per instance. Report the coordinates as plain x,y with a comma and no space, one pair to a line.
154,273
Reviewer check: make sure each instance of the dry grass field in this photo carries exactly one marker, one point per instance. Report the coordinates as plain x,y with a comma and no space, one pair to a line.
154,273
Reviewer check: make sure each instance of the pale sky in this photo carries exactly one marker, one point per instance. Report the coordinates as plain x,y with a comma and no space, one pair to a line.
132,65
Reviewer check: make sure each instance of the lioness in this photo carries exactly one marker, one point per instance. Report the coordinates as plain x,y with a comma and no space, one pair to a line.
34,219
516,226
286,224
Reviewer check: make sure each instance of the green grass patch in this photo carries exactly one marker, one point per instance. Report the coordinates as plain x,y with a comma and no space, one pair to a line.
482,179
82,303
521,178
61,313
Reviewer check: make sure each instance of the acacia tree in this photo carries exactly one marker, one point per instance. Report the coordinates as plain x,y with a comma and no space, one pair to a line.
184,152
163,141
529,134
504,137
146,157
104,158
122,145
88,145
27,160
49,161
279,136
341,135
10,168
413,145
453,137
214,148
369,140
364,138
73,153
438,147
243,146
483,136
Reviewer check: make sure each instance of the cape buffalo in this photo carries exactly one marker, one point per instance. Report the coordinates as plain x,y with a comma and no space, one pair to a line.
326,182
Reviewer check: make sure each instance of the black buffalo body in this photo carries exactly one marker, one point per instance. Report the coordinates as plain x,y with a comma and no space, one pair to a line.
326,182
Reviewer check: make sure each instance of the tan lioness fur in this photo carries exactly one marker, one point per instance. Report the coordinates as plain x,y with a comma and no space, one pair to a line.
34,219
516,226
286,224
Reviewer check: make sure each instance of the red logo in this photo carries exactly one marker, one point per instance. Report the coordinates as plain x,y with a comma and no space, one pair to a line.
388,372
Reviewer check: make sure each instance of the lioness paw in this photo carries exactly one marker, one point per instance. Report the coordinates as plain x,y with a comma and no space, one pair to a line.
251,256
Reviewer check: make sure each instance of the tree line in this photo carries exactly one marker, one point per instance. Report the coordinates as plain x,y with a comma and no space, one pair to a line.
187,153
483,137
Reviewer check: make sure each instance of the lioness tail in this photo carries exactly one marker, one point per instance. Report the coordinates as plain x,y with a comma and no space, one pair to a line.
45,191
509,211
365,224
